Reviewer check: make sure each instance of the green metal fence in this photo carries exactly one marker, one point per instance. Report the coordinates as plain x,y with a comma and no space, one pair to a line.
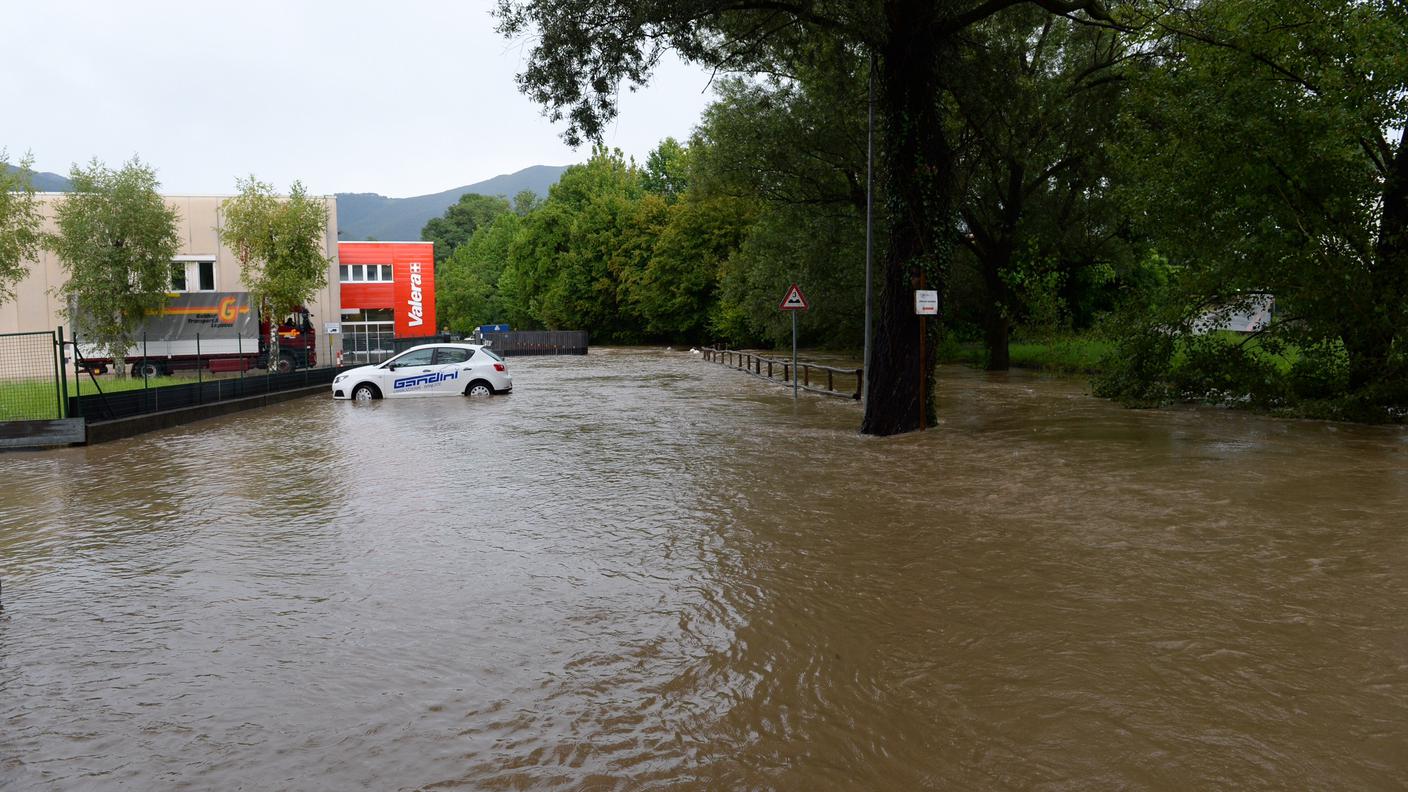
31,381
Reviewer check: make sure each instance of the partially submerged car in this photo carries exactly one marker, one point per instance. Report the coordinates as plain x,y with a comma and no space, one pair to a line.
427,370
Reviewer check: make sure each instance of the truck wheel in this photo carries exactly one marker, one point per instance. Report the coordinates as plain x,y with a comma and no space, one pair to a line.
286,363
147,370
365,393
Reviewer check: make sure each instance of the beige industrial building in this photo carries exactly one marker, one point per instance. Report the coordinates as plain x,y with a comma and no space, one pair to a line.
205,264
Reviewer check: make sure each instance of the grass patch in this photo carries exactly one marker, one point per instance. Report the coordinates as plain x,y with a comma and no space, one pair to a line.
115,385
1071,355
34,399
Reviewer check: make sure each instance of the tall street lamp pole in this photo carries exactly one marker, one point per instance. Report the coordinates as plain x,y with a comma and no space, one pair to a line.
869,214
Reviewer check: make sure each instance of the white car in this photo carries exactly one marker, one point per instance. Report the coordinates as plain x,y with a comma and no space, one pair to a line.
427,370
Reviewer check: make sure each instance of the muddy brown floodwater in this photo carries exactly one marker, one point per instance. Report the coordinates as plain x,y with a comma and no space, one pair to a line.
644,571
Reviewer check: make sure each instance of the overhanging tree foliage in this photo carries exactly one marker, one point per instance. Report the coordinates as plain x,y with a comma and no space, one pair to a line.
116,238
1270,145
280,244
20,236
586,49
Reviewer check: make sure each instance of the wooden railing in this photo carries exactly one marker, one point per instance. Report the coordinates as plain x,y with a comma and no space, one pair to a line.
771,368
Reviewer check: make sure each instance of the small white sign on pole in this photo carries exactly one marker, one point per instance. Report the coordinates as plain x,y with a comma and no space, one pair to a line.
926,302
332,328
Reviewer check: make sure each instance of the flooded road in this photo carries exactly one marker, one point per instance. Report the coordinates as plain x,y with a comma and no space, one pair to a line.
644,571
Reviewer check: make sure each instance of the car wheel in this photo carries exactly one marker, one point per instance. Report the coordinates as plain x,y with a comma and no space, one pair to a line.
365,393
479,388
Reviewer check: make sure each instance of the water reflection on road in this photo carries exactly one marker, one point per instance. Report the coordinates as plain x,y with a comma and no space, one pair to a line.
641,570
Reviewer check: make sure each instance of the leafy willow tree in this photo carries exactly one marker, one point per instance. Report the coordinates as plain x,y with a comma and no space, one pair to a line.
586,48
460,220
20,235
279,241
116,238
1269,143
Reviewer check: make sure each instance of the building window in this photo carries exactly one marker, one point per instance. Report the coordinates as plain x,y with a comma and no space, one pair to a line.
364,273
192,276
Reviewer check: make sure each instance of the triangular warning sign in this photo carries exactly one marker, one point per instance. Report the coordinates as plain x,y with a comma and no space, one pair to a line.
794,301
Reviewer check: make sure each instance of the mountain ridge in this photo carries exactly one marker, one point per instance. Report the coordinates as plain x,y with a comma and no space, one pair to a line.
364,215
45,181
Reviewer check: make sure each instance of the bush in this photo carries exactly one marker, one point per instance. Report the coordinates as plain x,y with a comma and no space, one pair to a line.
1214,370
1134,372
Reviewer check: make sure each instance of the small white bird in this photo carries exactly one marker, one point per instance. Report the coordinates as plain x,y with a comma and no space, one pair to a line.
694,351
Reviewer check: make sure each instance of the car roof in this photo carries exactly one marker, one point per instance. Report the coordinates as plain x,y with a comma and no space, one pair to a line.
441,346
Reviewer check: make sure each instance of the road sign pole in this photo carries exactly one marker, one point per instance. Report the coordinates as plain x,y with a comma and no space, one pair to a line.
923,384
794,355
923,312
793,302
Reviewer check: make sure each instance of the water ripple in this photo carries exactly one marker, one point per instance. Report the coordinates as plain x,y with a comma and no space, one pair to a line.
643,571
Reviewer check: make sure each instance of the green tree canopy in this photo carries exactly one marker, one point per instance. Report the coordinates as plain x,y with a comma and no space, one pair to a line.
459,222
116,238
586,49
667,170
20,236
281,247
1269,144
1036,112
468,291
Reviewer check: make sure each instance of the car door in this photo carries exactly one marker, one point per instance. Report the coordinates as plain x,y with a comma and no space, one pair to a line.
452,365
409,374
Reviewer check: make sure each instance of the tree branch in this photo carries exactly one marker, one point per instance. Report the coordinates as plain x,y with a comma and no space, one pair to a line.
1095,9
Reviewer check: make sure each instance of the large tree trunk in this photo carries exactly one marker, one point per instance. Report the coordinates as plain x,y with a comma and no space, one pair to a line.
917,165
997,321
998,338
1369,339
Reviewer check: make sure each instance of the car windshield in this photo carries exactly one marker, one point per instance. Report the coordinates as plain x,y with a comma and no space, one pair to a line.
491,353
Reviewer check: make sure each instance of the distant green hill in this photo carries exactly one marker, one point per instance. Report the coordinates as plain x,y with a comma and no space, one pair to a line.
363,215
369,215
47,182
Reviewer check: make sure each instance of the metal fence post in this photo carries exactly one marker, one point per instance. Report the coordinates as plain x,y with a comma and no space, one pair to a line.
77,376
59,372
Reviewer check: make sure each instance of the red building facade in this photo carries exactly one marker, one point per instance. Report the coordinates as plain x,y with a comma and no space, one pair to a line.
388,291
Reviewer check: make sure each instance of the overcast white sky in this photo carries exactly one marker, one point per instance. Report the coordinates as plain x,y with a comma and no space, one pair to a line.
400,97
